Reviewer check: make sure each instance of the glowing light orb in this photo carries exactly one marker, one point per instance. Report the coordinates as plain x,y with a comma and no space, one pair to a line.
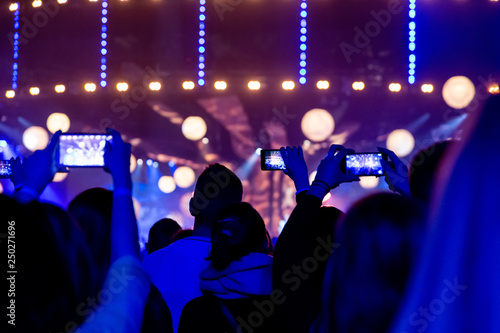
458,92
35,137
166,184
58,121
368,182
401,142
184,176
317,125
194,128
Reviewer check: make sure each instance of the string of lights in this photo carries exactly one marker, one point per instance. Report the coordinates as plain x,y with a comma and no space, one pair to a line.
201,44
104,43
303,39
412,45
15,66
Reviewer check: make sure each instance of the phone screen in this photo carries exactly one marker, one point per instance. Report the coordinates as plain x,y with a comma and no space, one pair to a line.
364,164
82,150
270,159
5,171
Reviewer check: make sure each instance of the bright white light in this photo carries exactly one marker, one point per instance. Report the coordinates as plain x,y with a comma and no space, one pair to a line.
254,85
288,85
37,3
395,87
205,140
166,184
140,162
58,121
368,182
494,89
149,162
184,176
220,85
188,85
34,91
458,92
194,128
10,93
322,84
90,87
60,88
62,1
312,176
133,163
427,88
155,86
401,142
358,85
317,125
13,7
257,151
327,197
122,86
35,138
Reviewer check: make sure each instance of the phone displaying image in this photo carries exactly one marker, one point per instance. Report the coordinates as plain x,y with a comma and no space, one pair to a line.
270,159
364,164
82,150
5,170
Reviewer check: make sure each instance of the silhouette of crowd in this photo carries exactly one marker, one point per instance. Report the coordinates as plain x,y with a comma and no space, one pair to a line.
422,258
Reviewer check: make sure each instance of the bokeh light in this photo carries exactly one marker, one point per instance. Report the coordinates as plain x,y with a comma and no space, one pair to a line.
317,125
166,184
35,137
401,142
184,176
58,121
458,92
368,182
194,128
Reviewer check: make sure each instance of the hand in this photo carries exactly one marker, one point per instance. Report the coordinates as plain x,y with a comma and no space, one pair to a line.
397,177
39,169
117,160
329,170
296,167
18,173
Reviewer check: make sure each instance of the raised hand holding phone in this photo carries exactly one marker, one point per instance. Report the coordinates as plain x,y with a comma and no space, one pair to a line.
296,167
396,177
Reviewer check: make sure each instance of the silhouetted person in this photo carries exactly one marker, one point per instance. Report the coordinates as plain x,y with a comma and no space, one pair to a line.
161,234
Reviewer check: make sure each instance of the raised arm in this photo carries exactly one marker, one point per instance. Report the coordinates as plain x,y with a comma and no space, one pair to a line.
396,177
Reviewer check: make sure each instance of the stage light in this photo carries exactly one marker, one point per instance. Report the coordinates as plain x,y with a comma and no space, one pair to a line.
58,121
395,87
220,85
401,142
302,42
133,163
155,86
368,182
494,89
90,87
13,7
184,176
59,177
140,162
122,86
194,128
201,42
188,85
254,85
317,125
322,84
411,42
427,88
458,92
288,85
358,85
62,1
155,165
171,164
15,37
205,140
166,184
149,162
37,3
34,91
35,137
258,151
10,94
60,88
104,35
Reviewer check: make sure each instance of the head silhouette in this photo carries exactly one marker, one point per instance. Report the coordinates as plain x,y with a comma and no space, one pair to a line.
161,234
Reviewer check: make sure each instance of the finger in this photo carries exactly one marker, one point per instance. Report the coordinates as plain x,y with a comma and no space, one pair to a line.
385,166
54,142
283,155
333,149
343,152
389,153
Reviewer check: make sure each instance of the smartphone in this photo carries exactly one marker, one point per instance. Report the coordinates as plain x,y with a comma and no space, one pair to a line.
78,150
270,159
5,170
363,164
